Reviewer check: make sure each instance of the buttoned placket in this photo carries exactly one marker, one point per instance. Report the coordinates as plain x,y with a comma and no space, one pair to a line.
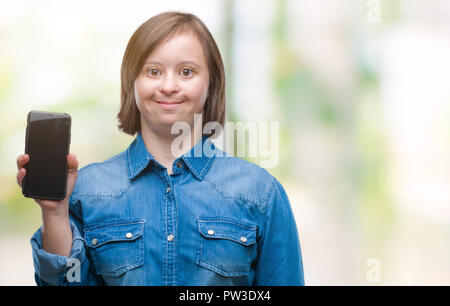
169,272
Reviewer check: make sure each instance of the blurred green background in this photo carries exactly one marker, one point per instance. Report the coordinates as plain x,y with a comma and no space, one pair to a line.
360,89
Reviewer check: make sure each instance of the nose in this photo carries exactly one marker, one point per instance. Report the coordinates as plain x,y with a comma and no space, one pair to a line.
169,84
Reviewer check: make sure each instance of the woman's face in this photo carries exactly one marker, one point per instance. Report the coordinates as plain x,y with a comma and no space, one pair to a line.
173,83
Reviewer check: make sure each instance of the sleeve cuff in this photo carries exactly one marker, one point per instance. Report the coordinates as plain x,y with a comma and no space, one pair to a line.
51,267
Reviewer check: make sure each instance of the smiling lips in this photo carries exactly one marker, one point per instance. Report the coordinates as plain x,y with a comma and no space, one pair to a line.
169,105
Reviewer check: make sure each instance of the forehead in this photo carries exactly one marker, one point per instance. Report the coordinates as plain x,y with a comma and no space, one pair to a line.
179,47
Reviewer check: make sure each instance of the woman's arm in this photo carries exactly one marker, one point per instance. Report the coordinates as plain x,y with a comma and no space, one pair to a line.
59,253
56,233
280,259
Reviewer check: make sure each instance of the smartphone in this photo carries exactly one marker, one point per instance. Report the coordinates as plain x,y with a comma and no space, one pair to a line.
47,143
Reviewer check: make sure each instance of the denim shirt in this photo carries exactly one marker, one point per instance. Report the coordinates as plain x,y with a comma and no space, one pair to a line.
217,220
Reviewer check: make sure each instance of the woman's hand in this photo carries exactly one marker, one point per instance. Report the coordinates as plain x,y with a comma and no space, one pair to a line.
56,232
49,206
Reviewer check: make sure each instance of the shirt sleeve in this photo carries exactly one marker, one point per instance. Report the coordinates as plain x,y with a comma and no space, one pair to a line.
280,259
56,270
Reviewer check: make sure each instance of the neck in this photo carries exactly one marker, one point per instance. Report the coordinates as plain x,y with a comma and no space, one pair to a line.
159,144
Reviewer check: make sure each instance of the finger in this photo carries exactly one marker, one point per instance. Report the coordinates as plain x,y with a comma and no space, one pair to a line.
72,162
20,176
22,160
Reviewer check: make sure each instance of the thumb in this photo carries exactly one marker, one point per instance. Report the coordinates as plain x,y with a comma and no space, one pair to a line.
72,162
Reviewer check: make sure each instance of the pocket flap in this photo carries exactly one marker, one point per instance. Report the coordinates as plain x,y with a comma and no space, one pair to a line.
122,230
239,232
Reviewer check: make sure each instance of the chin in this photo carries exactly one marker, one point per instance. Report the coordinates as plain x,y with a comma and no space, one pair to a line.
169,119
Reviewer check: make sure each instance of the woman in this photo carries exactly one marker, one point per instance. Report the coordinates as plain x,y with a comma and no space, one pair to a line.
148,216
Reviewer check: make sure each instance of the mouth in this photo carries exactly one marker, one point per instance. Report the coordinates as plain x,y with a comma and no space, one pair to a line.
169,105
167,102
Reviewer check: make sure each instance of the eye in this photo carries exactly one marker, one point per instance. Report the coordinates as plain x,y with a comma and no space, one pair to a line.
153,72
186,72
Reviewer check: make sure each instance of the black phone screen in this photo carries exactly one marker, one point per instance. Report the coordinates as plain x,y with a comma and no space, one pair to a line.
47,144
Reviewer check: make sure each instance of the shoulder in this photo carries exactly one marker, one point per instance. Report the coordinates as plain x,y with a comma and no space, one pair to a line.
107,178
236,177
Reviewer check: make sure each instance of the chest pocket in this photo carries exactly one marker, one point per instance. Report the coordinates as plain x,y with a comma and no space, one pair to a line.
226,246
117,246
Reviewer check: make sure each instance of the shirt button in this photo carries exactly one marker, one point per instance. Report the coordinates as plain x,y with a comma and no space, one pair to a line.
129,235
170,238
94,241
211,232
168,190
179,165
244,239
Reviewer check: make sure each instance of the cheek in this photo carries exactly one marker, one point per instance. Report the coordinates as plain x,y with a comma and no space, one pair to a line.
142,91
205,92
200,92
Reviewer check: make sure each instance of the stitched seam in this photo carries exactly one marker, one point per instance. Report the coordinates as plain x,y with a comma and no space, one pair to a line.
130,169
176,238
210,160
112,159
103,224
141,166
220,271
174,246
120,194
131,172
192,168
226,220
200,241
269,192
166,245
228,237
234,196
121,270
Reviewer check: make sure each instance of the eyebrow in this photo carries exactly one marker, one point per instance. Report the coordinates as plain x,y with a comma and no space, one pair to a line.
185,62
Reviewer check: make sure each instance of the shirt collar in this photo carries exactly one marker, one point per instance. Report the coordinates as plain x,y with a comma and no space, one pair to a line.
198,160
